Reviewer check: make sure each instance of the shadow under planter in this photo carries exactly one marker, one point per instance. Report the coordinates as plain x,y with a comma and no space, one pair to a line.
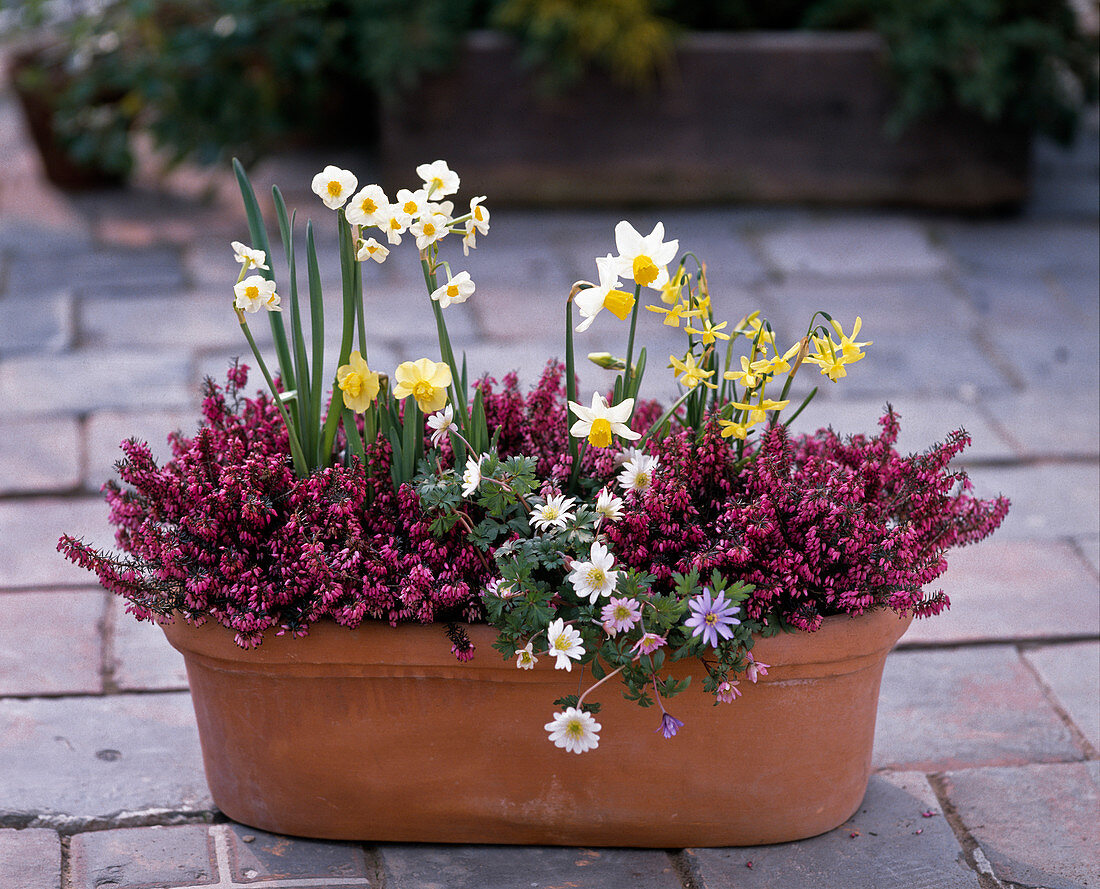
760,117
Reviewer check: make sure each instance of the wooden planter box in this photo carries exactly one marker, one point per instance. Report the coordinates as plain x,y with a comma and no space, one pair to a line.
762,117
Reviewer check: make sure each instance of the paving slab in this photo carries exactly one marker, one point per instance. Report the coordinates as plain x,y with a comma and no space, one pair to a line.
90,763
854,247
95,379
225,855
1013,589
1022,245
1065,360
104,432
1072,673
1014,301
889,843
1049,500
509,867
966,707
51,642
1088,545
141,657
29,531
39,455
1040,425
1036,824
30,859
38,324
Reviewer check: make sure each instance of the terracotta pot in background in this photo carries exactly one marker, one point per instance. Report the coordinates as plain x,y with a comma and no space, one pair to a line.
378,734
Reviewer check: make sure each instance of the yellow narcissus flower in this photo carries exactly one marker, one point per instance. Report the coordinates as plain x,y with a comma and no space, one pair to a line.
852,351
708,331
426,381
693,374
644,258
358,383
670,293
758,413
731,428
674,315
600,421
831,356
748,376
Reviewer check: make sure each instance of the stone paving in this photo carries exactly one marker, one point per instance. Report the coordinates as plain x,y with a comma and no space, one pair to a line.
114,306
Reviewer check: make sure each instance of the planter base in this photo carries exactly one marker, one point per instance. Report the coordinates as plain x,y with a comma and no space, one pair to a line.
378,734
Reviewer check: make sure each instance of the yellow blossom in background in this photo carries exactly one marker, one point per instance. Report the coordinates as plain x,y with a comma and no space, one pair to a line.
674,315
644,259
426,381
731,428
778,364
708,331
693,374
334,186
358,383
600,421
852,351
256,292
368,207
746,376
670,292
758,413
439,179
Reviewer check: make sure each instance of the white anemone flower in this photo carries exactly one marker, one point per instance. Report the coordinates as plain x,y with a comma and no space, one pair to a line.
441,422
644,259
371,249
368,206
471,478
608,506
249,258
597,576
564,644
439,179
554,513
592,300
574,730
600,421
637,474
525,657
457,290
334,186
256,292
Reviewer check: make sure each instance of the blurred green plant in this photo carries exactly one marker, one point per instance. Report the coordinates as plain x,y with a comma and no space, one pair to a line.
210,79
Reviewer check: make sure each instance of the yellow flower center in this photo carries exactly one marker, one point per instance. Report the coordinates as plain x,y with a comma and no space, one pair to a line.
645,270
619,303
436,183
550,513
423,391
368,206
478,215
452,290
561,643
641,481
429,229
352,384
395,224
335,189
711,618
596,577
574,728
599,436
252,292
621,612
410,207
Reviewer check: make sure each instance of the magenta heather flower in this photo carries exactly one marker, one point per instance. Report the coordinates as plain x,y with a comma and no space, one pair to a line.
712,618
670,725
619,615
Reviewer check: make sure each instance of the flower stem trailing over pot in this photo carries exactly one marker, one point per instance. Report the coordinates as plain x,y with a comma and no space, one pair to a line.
614,536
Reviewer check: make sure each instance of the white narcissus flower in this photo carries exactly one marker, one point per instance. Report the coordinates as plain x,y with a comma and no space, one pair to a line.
439,179
575,730
600,421
457,290
595,577
479,215
471,478
393,222
409,205
368,206
644,259
592,300
334,186
637,474
429,228
525,657
608,506
554,513
249,258
441,423
564,644
255,292
371,249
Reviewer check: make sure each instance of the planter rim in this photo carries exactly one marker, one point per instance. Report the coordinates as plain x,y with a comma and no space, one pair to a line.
486,39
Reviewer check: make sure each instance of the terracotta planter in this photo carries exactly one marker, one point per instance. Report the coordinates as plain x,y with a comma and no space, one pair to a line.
378,734
772,117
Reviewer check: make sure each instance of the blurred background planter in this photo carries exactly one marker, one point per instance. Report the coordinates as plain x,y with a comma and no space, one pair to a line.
764,117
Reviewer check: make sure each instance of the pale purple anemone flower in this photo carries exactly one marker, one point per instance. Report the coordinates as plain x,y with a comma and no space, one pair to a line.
712,617
670,725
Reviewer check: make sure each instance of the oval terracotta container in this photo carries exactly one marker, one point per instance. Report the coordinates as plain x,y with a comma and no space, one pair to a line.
379,734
